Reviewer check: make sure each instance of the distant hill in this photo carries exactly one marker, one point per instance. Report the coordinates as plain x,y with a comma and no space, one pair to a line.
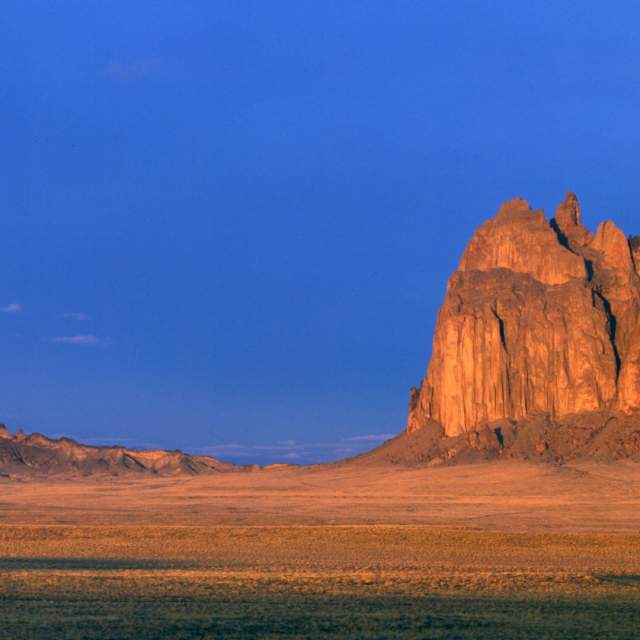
36,455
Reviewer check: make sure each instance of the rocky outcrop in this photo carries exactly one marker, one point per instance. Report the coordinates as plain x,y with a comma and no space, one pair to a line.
522,241
36,455
542,318
595,436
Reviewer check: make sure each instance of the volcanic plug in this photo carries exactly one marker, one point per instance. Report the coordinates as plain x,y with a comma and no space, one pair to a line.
541,318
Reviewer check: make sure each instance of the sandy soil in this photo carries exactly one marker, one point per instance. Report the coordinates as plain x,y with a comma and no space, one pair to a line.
499,496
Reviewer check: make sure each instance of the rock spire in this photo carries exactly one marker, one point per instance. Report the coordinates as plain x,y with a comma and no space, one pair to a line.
541,317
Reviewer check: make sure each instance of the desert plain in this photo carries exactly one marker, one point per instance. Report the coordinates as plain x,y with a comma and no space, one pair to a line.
500,549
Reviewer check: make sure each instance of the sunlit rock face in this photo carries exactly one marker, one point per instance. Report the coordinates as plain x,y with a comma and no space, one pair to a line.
542,317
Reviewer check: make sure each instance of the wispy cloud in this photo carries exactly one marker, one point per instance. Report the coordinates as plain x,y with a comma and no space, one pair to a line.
290,450
83,341
131,70
75,315
372,437
14,307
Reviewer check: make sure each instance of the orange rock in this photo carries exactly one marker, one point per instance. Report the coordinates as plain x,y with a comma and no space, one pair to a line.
540,318
568,224
568,213
613,246
522,241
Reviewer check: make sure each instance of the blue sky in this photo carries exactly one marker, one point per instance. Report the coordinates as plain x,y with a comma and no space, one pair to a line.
227,226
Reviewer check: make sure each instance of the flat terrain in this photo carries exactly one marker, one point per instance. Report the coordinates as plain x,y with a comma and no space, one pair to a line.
503,496
315,581
483,551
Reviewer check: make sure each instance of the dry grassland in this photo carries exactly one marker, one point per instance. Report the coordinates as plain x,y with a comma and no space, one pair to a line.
305,581
502,496
569,567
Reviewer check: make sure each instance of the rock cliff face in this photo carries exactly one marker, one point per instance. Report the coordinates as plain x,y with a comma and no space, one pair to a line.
541,318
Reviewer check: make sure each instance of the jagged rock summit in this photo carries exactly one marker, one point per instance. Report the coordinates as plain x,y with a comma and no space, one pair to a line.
541,320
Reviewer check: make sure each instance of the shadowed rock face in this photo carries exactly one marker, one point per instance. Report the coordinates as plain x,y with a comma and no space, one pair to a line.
541,318
634,243
37,455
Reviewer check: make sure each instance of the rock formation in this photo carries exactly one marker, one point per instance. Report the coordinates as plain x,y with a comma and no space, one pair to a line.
542,319
36,455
